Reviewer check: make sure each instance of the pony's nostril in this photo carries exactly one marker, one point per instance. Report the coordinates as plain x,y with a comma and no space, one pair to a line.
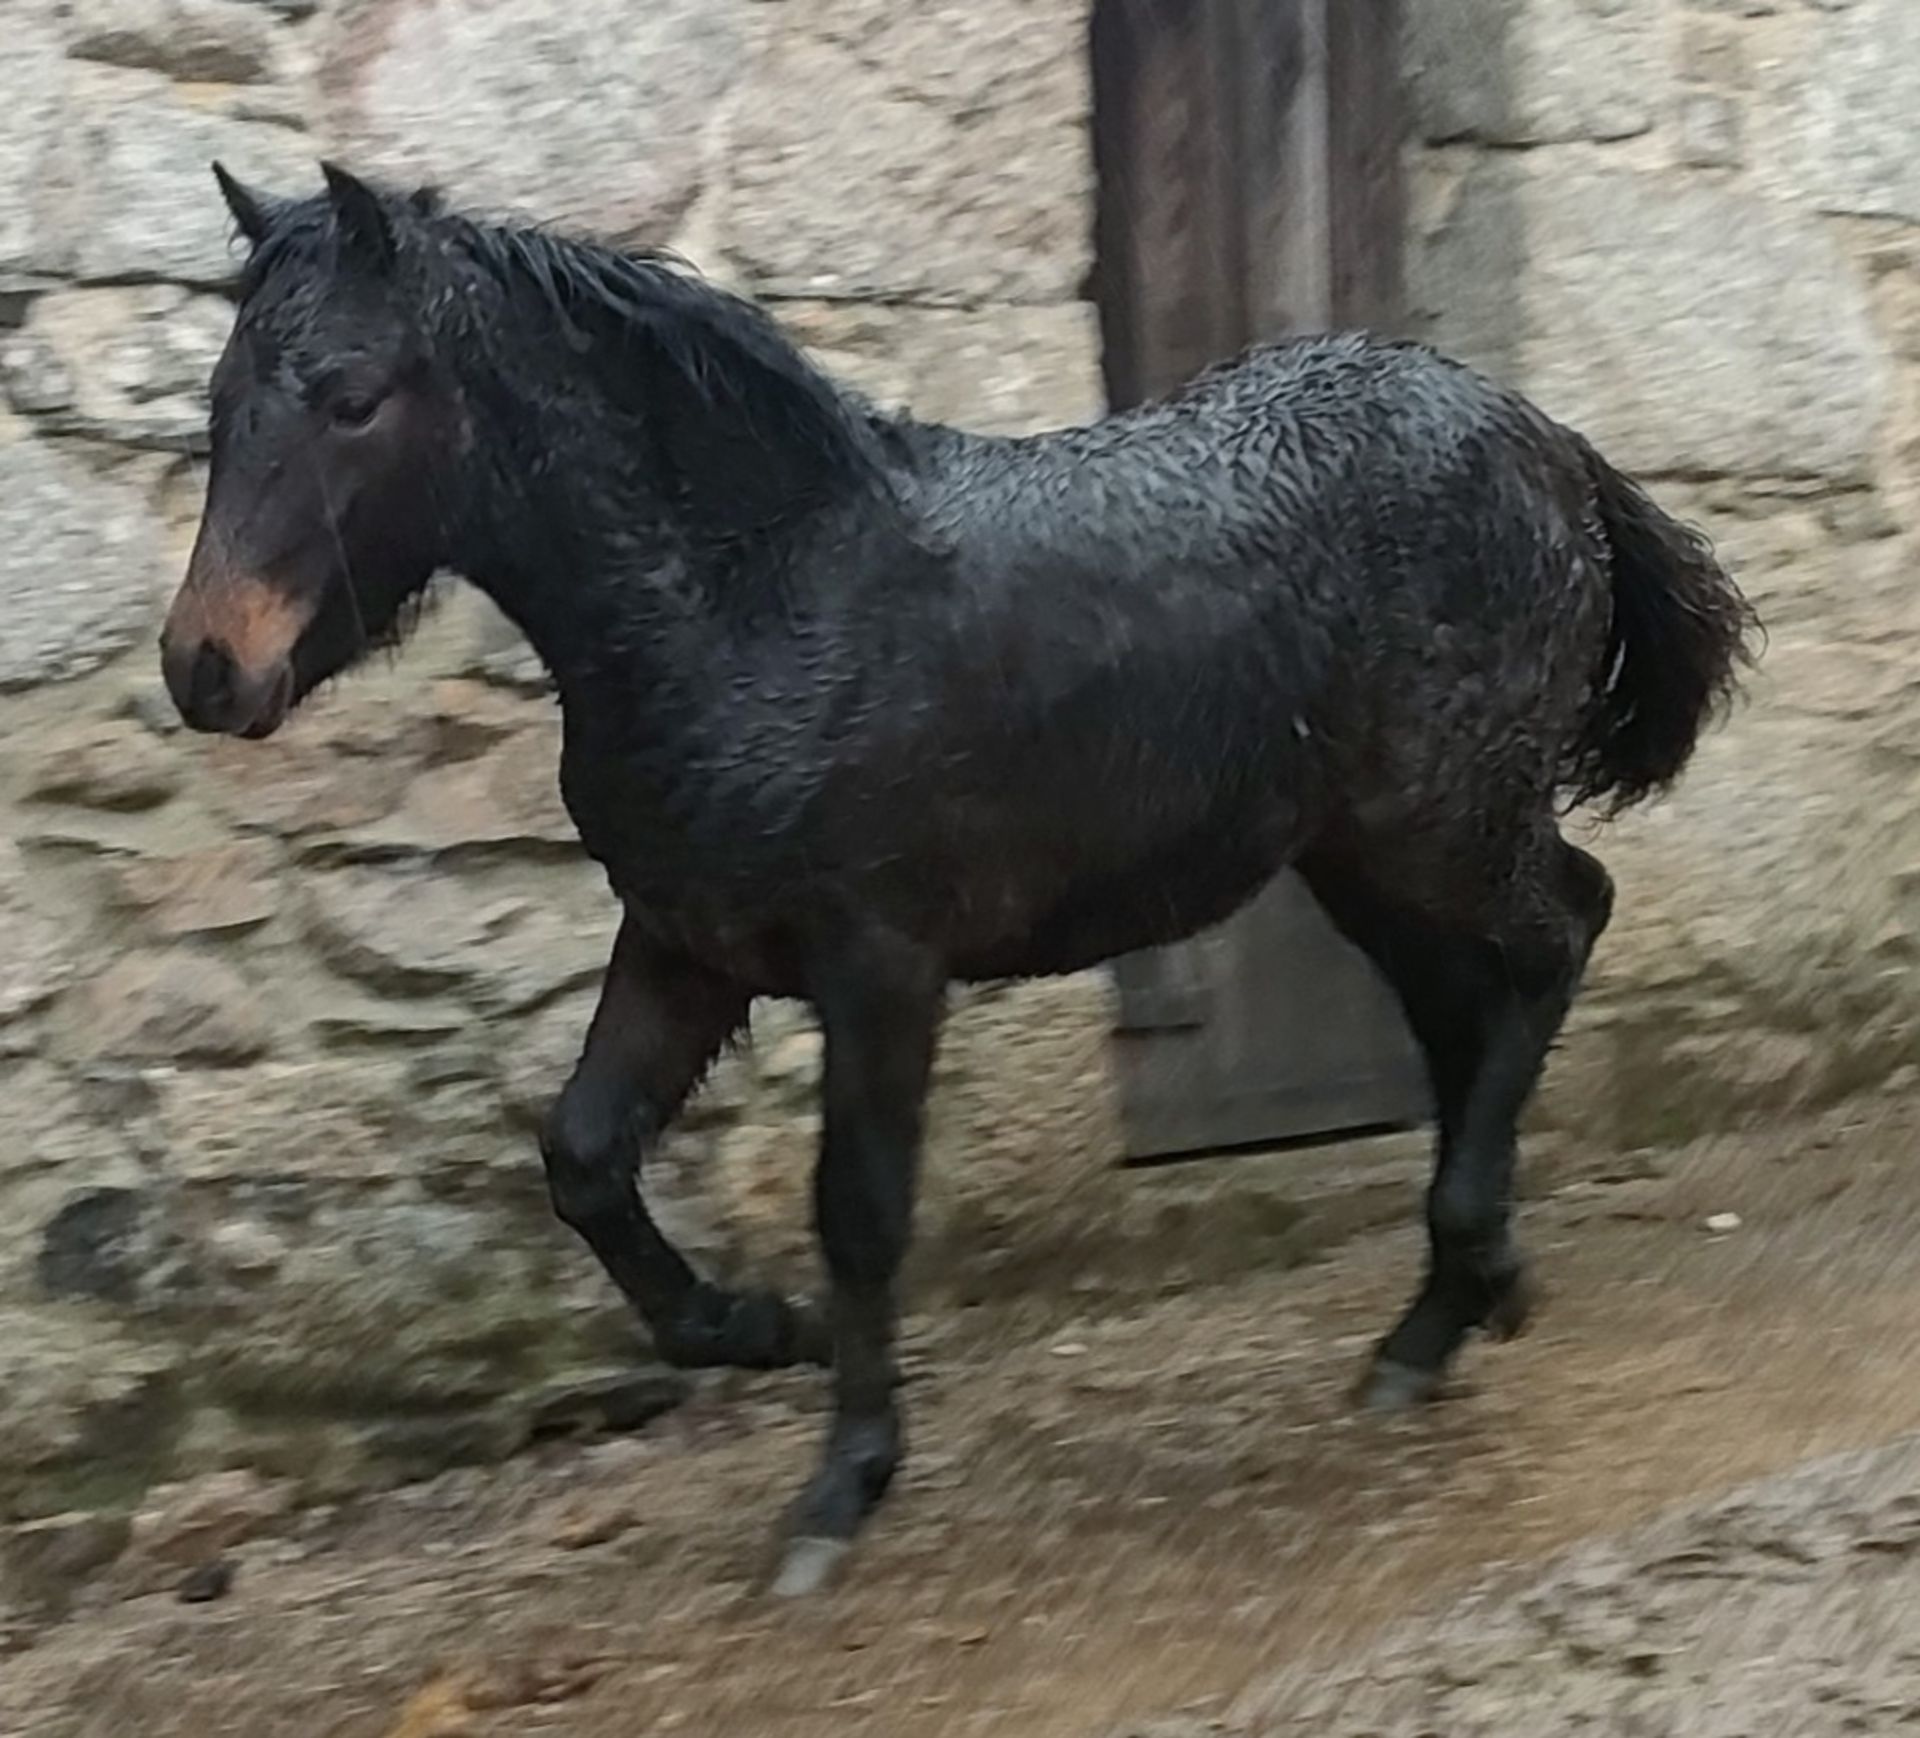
210,687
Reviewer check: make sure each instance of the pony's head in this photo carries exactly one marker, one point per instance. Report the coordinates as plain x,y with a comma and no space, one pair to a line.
333,426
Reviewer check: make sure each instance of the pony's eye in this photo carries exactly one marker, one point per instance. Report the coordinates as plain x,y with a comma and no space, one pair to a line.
354,410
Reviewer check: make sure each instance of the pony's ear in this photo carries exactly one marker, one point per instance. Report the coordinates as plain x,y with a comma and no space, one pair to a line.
254,213
366,231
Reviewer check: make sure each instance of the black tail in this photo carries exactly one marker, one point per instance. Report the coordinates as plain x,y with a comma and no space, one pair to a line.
1681,635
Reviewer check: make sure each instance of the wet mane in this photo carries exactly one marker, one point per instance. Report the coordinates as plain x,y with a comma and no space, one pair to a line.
639,310
734,356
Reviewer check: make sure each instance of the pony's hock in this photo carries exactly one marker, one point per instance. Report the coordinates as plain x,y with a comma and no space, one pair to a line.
856,706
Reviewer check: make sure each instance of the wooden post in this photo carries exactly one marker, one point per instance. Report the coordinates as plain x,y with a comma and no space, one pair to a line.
1248,155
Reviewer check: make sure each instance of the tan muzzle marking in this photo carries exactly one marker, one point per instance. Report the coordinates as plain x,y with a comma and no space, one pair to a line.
256,624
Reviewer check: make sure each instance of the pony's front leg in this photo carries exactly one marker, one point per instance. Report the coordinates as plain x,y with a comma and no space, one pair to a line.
879,1011
660,1023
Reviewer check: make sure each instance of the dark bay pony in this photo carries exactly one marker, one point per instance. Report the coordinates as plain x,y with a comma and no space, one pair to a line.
856,706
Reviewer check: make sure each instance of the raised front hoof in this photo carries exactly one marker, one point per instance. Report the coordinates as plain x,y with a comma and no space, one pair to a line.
748,1330
1389,1387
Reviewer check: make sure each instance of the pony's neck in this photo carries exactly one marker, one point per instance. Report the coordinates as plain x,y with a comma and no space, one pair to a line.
645,453
583,566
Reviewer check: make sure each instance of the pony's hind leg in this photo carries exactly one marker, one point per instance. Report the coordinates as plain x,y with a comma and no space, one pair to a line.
658,1027
1485,1002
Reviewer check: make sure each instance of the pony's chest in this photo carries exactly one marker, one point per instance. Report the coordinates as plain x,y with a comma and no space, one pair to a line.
591,797
697,878
682,816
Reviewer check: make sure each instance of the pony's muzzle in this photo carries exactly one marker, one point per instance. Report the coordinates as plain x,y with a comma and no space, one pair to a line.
227,652
216,693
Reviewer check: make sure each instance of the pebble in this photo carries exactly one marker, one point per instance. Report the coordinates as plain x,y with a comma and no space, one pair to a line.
588,1525
439,1710
209,1582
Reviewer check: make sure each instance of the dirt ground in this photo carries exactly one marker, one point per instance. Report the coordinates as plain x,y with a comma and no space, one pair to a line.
1164,1519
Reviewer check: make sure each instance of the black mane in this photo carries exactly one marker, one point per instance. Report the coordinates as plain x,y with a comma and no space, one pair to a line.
753,418
734,356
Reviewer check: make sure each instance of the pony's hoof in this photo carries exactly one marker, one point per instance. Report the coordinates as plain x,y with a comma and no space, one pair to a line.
808,1566
749,1330
1512,1309
1392,1387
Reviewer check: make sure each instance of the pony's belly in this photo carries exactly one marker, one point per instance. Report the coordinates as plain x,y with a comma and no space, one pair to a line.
1095,923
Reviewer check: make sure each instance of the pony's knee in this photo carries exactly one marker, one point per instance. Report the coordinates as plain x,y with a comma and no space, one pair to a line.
1468,1214
589,1169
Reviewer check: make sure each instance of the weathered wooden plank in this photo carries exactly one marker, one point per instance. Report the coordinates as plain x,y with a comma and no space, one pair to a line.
1302,1038
1165,216
1367,121
1248,153
1281,93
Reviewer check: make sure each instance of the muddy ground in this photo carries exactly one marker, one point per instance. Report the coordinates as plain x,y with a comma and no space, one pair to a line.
1163,1518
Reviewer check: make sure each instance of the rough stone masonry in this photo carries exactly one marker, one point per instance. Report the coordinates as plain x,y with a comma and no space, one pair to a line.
275,1022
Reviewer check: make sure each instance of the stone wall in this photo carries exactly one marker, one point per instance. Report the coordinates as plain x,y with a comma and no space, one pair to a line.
1692,228
276,1022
